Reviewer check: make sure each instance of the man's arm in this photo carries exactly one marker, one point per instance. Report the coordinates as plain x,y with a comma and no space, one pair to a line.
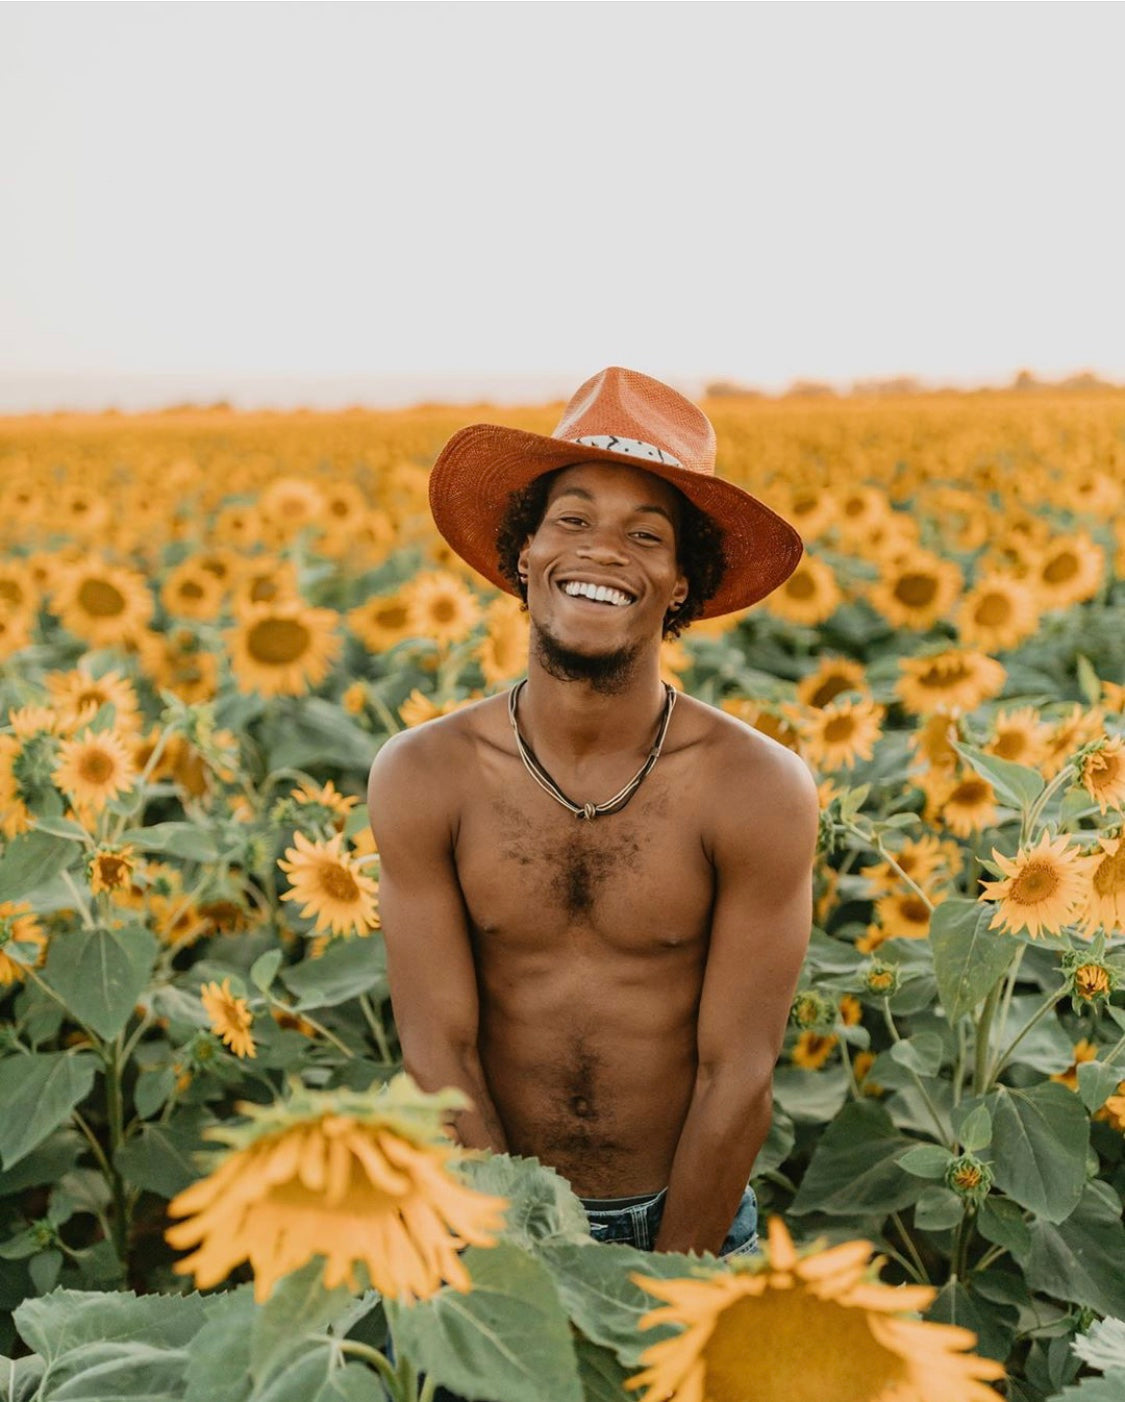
429,958
763,854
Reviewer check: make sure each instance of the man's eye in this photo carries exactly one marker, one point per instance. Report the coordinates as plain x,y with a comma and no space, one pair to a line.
572,520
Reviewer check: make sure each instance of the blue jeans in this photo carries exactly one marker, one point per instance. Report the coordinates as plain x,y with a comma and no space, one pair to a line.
636,1221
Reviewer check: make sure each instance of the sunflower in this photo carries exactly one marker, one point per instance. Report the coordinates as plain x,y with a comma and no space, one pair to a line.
965,803
94,767
918,857
15,632
343,508
287,505
1042,888
354,698
860,511
811,509
810,596
111,868
503,653
418,708
1083,1051
20,925
326,796
231,1018
104,605
767,720
812,1049
19,592
865,1351
904,915
76,695
177,661
933,741
331,886
1102,772
15,816
282,649
842,733
948,680
237,525
1068,571
1066,736
441,606
1017,735
917,591
357,1179
1103,901
29,721
266,579
1113,695
834,676
998,612
382,622
191,592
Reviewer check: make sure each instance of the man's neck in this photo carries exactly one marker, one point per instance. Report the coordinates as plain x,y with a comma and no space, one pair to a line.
577,721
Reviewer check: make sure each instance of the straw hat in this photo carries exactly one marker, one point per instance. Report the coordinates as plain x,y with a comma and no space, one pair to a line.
617,416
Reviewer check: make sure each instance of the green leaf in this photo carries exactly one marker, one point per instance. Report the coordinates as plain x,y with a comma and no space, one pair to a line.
1103,1345
938,1209
264,969
353,1383
62,827
1080,1259
921,1053
38,1093
602,1377
218,1365
1110,1388
317,733
32,859
601,1299
969,959
1039,1140
1014,783
542,1206
99,974
186,840
975,1129
1097,1082
20,1378
56,1156
346,969
508,1339
68,1321
153,1088
855,1166
810,1096
1090,686
298,1306
926,1161
994,1325
159,1158
1001,1222
778,1144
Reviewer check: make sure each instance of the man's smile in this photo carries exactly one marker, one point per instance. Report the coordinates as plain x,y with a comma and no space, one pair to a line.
596,593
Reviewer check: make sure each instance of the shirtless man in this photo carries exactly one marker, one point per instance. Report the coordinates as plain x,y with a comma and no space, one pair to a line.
609,988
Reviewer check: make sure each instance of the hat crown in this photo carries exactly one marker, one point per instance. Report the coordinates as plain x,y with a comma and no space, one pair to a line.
626,404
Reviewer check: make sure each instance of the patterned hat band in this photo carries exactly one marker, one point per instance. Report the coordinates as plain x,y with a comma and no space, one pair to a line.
634,446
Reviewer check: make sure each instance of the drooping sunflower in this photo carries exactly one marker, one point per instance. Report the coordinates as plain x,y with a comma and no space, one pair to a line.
998,612
189,591
231,1018
1043,886
1103,774
20,925
1069,571
326,879
441,606
916,591
381,622
1103,901
950,680
357,1179
1017,735
865,1351
78,694
111,868
104,605
834,676
94,767
282,649
809,596
841,733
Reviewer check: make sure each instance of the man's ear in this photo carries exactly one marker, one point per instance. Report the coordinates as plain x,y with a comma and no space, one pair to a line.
521,559
680,593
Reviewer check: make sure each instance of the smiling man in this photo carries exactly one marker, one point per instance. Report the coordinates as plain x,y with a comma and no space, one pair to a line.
596,894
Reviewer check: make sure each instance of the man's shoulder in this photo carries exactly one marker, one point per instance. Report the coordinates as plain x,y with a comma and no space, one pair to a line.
424,750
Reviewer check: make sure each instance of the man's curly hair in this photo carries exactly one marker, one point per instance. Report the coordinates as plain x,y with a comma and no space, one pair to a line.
699,548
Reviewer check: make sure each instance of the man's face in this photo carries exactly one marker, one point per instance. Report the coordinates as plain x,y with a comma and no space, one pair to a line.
612,527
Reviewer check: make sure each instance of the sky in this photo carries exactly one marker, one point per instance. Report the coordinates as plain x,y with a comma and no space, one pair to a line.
517,194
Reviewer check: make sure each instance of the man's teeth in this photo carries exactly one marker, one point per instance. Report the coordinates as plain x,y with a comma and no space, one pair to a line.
600,593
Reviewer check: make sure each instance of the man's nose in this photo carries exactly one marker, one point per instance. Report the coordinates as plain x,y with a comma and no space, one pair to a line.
605,546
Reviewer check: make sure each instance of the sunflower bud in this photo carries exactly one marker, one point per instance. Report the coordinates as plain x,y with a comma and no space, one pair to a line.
970,1178
1089,981
812,1012
881,979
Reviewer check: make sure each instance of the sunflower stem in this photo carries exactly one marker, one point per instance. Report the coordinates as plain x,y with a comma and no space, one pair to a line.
1035,812
111,1055
908,1243
427,1393
79,901
388,1375
889,859
317,1027
1009,987
384,712
888,1018
984,1028
1033,1021
378,1031
853,1084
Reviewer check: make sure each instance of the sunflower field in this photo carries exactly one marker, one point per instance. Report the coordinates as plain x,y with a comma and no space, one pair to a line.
216,1184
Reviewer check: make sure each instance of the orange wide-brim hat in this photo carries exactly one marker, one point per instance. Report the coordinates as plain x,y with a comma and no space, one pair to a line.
617,416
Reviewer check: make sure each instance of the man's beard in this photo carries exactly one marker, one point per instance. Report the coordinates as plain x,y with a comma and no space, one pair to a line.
606,672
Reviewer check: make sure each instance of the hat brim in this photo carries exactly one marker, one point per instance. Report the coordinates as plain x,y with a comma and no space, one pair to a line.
483,464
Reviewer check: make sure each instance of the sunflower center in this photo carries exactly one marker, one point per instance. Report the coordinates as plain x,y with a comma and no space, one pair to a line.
830,688
113,870
277,641
191,589
914,909
100,599
1010,744
336,881
443,610
11,592
970,792
944,674
391,616
916,590
800,585
97,766
263,590
1109,874
1061,567
1038,882
993,610
840,729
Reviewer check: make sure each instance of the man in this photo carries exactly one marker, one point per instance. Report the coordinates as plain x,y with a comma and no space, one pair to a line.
596,897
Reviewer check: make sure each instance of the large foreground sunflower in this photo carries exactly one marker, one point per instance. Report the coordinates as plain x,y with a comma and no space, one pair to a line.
353,1178
812,1328
1042,887
283,649
331,886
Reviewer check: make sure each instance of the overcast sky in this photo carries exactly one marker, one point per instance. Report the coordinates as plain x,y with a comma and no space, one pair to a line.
423,190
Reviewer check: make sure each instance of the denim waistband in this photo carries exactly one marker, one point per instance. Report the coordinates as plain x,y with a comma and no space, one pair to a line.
608,1206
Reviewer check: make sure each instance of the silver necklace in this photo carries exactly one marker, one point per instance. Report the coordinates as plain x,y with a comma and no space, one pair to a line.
589,811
